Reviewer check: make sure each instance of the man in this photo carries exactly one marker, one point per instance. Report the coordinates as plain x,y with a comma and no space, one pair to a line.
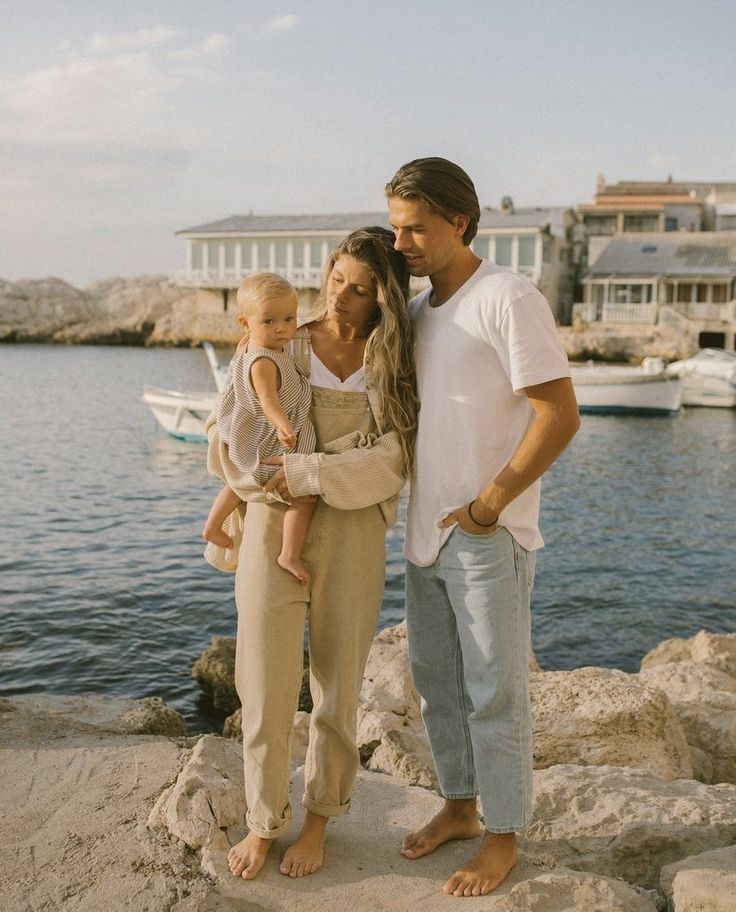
497,408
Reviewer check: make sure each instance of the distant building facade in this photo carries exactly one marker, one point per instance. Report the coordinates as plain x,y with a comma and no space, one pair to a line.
685,279
219,255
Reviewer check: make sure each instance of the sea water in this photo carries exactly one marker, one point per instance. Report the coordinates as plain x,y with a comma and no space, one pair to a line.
103,587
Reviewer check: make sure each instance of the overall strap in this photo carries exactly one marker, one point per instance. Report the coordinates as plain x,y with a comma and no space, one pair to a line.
300,348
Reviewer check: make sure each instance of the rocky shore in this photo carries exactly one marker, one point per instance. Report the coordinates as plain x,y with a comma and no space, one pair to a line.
152,311
111,806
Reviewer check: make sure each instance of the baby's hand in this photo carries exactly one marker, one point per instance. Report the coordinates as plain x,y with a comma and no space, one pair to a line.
287,437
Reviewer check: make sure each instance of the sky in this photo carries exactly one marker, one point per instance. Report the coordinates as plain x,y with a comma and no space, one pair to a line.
121,124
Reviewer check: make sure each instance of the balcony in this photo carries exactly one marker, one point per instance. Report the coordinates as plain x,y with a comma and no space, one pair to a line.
231,278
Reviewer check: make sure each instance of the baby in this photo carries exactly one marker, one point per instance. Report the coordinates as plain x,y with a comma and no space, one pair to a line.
264,410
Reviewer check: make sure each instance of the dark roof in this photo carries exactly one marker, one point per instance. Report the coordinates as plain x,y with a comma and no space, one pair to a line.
348,221
696,253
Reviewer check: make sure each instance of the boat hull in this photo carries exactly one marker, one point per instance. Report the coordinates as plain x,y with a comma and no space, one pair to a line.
183,415
625,391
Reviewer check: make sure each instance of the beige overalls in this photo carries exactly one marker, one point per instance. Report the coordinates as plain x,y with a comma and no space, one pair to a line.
345,552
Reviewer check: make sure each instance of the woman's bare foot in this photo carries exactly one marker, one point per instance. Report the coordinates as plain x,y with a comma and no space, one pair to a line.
247,857
294,566
306,855
217,536
486,869
458,819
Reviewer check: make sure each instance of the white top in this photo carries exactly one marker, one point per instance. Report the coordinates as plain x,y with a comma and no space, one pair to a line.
319,375
474,355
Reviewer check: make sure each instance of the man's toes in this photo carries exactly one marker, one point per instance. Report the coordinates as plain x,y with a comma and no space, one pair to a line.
451,885
477,888
486,887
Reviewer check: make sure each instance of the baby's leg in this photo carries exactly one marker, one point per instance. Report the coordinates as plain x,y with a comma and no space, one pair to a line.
296,526
224,504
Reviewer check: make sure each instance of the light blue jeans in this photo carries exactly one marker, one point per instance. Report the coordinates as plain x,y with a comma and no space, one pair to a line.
469,625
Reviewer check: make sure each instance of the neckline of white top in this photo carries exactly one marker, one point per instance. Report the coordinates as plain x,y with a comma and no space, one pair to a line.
321,375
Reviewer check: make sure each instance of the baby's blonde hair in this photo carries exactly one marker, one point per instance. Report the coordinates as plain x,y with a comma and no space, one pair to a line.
259,288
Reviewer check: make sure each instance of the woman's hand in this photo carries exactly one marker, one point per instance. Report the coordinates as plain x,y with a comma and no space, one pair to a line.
277,482
461,516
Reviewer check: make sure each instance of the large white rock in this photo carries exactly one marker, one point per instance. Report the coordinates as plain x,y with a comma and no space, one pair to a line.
702,883
602,716
207,796
704,700
391,736
715,649
563,890
624,823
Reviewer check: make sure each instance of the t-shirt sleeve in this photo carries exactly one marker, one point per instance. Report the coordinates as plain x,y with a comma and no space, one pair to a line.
528,345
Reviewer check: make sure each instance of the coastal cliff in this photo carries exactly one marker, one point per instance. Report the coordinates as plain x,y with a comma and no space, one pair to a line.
152,311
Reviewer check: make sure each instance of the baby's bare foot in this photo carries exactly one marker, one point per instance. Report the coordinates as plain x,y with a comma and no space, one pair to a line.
247,857
217,537
307,854
486,869
295,567
456,820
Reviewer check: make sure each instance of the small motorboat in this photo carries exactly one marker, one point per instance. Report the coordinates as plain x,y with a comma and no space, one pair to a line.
621,389
708,378
183,415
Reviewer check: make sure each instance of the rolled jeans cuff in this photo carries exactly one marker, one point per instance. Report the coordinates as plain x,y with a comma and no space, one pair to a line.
274,831
325,810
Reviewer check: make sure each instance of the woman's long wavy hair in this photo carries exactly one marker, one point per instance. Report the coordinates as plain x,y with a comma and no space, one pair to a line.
389,349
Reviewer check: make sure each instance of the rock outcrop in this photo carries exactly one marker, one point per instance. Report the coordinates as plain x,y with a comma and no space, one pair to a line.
624,823
602,716
702,883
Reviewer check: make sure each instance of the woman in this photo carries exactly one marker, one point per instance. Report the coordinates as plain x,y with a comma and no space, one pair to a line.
364,410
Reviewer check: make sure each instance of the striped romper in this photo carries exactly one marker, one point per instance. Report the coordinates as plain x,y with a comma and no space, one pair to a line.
243,426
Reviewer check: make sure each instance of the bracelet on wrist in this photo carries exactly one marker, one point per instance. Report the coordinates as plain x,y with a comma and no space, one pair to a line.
474,520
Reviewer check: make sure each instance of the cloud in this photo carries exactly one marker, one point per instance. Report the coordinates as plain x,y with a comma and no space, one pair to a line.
86,99
282,23
213,44
131,41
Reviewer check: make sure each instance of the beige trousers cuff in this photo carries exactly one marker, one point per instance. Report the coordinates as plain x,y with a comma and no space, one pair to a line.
275,831
325,810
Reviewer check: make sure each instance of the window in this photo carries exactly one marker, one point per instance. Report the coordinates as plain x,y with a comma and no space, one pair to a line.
600,224
527,249
264,255
480,246
685,293
702,293
503,251
246,250
315,254
670,223
230,254
196,256
297,257
726,223
280,263
641,223
598,295
720,294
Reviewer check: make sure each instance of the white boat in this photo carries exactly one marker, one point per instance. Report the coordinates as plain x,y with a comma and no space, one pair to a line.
619,389
708,378
183,415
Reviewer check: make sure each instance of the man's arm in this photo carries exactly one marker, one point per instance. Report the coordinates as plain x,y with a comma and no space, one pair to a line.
556,421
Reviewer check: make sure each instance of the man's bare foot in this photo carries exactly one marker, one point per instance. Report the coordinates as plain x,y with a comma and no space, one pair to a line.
486,869
247,857
306,855
457,820
294,566
217,537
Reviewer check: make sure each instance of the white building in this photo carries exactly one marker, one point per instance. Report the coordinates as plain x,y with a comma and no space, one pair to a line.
687,280
219,255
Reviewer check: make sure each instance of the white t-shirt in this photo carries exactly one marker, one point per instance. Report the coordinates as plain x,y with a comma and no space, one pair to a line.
474,355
